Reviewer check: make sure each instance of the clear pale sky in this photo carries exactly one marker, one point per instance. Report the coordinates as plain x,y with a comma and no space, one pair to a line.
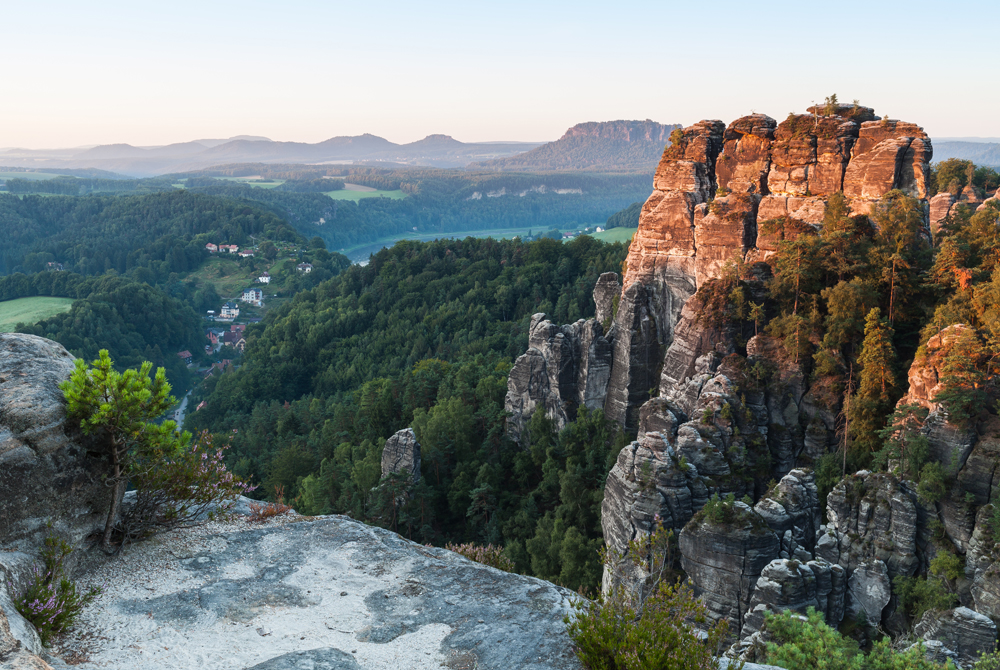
154,73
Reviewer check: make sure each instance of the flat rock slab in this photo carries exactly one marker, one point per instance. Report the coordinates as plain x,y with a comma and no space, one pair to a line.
328,593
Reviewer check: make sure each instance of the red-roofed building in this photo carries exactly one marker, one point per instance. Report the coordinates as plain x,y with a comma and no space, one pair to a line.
185,356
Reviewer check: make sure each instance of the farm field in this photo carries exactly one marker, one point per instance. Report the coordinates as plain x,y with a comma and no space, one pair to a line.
351,194
615,235
30,310
30,176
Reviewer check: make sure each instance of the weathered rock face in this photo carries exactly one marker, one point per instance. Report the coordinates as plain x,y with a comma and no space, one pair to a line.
940,208
792,511
872,517
724,561
45,473
401,453
607,291
636,355
790,584
966,632
869,591
312,593
888,155
565,367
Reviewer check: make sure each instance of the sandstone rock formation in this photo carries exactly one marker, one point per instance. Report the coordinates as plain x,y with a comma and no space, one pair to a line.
723,561
790,584
869,591
966,632
308,593
401,453
45,472
565,367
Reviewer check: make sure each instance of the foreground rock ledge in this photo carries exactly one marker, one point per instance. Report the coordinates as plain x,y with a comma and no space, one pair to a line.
323,593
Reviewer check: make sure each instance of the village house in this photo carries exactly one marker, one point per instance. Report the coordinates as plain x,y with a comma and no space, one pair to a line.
235,340
55,266
264,278
229,311
246,253
212,248
253,296
304,267
185,356
231,248
238,327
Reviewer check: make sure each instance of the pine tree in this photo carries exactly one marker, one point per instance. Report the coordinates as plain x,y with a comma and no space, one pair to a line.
877,386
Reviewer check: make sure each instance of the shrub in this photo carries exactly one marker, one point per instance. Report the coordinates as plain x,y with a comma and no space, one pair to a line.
488,554
176,483
646,626
990,661
49,599
808,643
932,484
261,512
918,595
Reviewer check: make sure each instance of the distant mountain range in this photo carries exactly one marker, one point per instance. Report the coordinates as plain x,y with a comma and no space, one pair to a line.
611,145
432,151
980,153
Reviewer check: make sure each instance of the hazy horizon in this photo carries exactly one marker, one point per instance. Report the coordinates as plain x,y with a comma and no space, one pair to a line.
115,72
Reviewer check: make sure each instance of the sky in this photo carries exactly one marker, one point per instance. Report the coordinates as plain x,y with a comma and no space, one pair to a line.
154,73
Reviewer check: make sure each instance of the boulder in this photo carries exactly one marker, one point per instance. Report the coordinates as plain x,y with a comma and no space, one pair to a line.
966,632
868,591
401,453
46,475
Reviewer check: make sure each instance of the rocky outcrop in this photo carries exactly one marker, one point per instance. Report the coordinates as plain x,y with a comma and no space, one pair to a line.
565,367
889,155
607,292
792,511
401,453
723,560
45,473
790,584
635,357
869,591
307,592
940,207
872,517
962,630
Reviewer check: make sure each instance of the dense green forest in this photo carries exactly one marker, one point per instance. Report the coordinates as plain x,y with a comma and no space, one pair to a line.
441,201
424,336
135,322
163,232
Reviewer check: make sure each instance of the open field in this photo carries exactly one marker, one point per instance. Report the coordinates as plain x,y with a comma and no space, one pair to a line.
615,235
351,194
30,176
30,310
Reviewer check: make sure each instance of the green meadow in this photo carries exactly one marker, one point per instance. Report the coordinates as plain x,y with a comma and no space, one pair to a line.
30,310
615,235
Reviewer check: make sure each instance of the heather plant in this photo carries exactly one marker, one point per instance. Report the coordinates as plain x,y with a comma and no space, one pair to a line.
487,554
180,487
48,598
